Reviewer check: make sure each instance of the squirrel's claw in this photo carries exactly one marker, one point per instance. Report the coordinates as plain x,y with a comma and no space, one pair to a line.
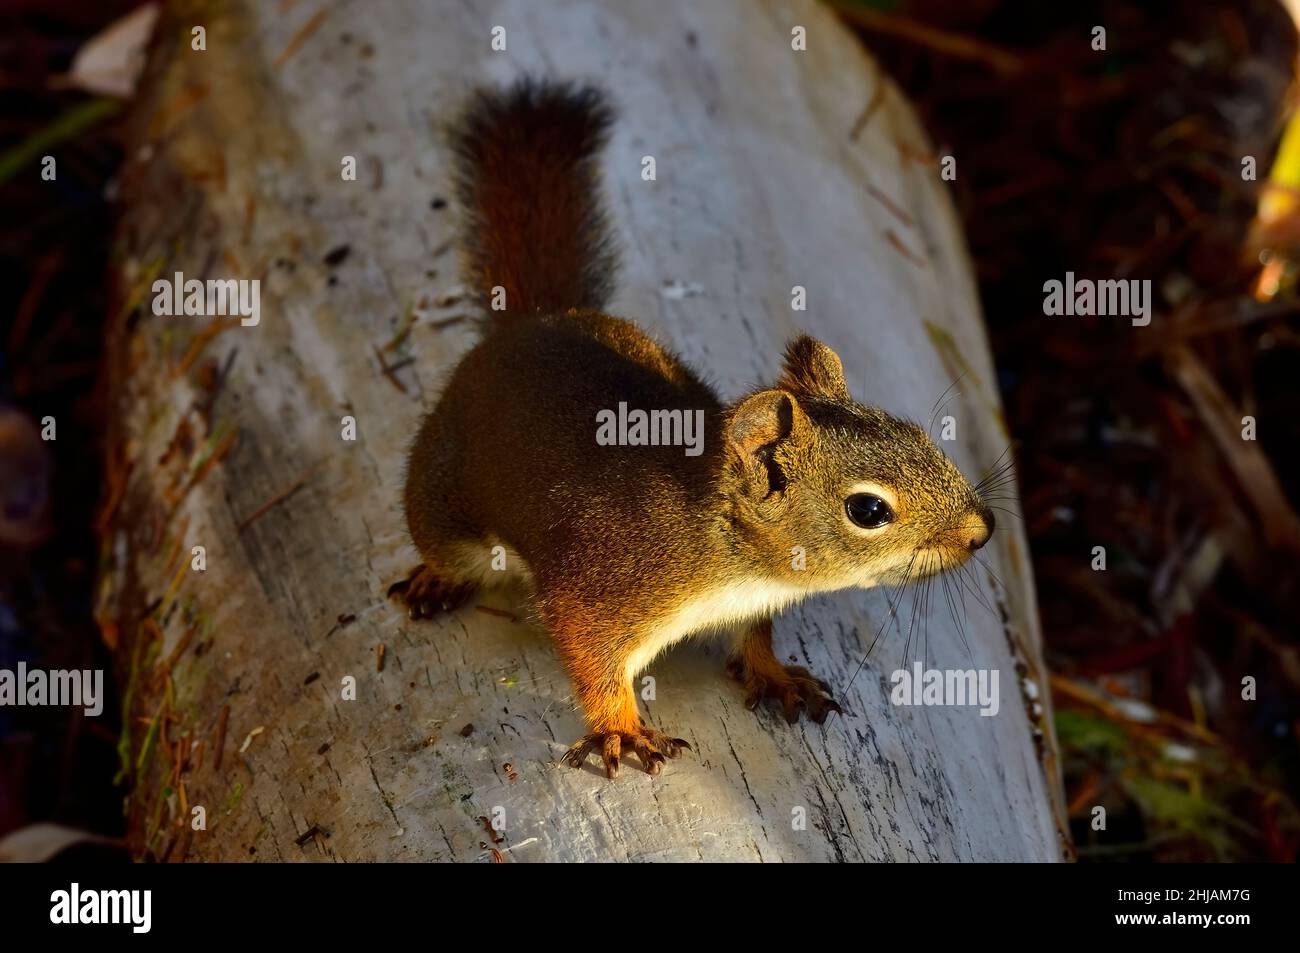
612,747
425,595
797,691
652,760
652,747
576,756
830,706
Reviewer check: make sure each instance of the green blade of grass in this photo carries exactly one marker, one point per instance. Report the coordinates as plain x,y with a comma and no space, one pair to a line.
72,123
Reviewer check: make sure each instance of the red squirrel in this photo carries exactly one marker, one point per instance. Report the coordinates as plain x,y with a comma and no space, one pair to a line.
797,489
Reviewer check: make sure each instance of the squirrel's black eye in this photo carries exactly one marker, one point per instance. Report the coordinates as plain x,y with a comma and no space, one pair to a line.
868,510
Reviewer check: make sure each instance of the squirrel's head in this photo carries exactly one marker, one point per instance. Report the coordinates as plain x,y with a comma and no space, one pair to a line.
835,493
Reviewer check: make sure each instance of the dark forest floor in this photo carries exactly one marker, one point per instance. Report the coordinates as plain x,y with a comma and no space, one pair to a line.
1125,164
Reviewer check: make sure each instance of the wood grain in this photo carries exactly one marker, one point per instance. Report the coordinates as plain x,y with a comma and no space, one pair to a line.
768,178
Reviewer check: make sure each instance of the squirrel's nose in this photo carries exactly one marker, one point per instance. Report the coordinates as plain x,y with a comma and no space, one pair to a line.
981,528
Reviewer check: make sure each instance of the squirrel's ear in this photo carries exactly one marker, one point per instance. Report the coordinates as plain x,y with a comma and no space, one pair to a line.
763,419
813,369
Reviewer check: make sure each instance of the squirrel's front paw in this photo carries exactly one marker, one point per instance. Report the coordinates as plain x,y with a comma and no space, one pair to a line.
797,689
425,595
652,747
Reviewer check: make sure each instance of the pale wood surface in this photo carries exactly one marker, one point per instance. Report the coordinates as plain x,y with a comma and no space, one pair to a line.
775,168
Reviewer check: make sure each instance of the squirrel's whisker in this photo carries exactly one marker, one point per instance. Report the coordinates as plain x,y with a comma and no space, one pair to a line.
952,611
990,571
935,409
970,584
892,613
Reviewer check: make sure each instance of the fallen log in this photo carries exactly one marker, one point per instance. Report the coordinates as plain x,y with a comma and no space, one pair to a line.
253,519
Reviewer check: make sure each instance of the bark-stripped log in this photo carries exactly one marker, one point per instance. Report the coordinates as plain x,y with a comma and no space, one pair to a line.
775,168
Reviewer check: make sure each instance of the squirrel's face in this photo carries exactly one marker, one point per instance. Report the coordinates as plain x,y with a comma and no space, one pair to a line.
844,494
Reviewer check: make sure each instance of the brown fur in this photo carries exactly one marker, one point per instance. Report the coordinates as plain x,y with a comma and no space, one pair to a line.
526,183
629,547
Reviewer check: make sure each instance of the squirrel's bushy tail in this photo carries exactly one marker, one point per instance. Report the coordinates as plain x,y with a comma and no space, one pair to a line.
526,180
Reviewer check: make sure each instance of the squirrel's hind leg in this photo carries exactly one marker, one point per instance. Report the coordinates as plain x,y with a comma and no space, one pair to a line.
430,589
453,564
455,553
452,572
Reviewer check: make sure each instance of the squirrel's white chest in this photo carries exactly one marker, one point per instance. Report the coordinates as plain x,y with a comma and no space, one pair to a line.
724,606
